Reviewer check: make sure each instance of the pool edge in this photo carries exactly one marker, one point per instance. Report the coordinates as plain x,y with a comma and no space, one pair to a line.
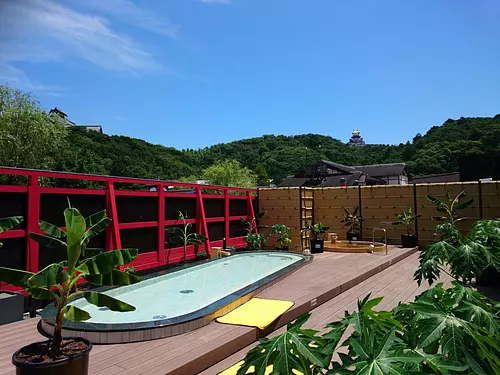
168,330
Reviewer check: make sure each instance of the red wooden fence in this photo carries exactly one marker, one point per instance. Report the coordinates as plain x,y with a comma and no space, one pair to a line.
113,239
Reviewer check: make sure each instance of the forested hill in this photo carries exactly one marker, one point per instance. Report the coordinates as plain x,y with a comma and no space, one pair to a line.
435,152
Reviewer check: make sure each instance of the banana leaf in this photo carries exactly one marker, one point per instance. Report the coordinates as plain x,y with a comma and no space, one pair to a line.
107,261
14,277
103,300
113,278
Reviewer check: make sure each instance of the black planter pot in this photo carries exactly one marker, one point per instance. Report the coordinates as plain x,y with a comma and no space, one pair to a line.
408,241
284,248
75,365
353,236
490,278
317,246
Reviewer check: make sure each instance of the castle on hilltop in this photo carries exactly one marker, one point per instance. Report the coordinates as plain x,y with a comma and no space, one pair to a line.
356,139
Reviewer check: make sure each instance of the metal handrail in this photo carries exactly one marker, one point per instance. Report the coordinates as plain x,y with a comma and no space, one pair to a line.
385,237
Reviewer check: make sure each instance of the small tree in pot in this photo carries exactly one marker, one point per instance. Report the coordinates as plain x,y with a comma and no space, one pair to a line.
283,233
352,222
59,282
253,238
407,218
317,242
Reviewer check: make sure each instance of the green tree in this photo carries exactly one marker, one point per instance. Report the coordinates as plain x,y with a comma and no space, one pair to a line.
230,173
29,137
262,176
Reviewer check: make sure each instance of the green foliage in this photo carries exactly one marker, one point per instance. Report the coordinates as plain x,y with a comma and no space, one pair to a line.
7,223
283,233
279,156
452,331
466,257
406,218
318,229
187,237
253,238
450,207
59,281
29,137
230,173
351,220
201,255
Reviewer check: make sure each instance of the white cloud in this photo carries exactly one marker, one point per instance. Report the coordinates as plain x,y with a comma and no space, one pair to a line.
132,13
38,31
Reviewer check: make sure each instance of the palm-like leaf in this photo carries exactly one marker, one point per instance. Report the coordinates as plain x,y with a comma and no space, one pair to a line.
105,262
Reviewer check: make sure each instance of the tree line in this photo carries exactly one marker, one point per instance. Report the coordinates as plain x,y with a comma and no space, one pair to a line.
31,138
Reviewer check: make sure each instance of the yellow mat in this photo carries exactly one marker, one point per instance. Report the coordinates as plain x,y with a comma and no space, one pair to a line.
234,369
257,312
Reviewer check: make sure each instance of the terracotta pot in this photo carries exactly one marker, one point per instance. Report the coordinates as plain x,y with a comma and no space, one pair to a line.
75,365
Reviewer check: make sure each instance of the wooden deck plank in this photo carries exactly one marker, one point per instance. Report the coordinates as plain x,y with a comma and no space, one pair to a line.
395,284
329,275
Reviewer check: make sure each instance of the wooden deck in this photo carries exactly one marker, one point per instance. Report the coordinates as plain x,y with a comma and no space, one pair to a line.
395,284
329,285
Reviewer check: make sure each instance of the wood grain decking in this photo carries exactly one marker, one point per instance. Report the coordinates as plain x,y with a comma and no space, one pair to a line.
330,284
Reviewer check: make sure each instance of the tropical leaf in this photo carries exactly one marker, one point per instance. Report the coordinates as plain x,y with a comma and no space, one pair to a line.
75,230
113,278
51,275
464,205
7,223
14,277
95,224
47,240
41,293
75,314
103,300
107,261
90,252
51,230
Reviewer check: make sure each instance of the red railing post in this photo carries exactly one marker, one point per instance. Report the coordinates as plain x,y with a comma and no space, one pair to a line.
226,216
201,221
250,211
113,240
33,217
161,224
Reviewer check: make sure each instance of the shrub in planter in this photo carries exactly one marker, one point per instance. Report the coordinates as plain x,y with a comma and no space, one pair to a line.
201,255
185,235
59,282
352,222
253,238
317,242
283,233
407,218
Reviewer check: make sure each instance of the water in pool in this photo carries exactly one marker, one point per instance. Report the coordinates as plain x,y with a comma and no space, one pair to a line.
191,289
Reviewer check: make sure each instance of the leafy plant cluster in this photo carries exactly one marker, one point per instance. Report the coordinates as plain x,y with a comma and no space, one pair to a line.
255,238
351,220
444,331
466,257
30,139
406,218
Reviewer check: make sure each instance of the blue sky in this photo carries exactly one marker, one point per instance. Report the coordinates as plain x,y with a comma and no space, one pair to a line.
191,73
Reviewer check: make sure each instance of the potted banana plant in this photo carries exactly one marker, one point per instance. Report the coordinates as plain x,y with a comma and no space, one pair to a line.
283,233
352,222
317,242
406,218
59,282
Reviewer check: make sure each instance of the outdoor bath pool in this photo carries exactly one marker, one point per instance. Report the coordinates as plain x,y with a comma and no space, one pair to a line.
169,303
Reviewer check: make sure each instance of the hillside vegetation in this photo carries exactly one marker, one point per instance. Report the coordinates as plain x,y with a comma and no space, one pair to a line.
269,156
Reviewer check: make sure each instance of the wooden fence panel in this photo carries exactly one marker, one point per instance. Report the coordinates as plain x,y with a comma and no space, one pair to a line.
379,204
491,199
283,207
329,204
